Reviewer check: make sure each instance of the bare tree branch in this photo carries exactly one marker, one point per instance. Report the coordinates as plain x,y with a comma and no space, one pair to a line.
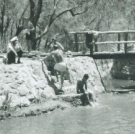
92,21
23,12
53,17
58,2
50,20
74,14
19,26
7,24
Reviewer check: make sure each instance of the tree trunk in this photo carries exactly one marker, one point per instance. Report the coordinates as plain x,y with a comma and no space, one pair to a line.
34,44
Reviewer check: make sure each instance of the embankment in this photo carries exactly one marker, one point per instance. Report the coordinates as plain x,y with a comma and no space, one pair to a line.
26,83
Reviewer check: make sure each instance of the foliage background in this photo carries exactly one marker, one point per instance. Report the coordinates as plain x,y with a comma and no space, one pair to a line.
101,15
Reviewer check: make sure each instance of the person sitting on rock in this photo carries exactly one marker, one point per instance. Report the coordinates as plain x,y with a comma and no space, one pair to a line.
14,50
59,66
86,96
53,43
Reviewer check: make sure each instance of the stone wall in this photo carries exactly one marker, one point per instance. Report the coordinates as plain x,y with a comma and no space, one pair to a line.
26,82
123,69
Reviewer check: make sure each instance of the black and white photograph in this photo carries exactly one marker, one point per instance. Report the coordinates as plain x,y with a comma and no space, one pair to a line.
67,66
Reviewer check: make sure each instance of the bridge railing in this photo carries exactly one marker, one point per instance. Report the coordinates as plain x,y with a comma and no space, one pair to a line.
91,39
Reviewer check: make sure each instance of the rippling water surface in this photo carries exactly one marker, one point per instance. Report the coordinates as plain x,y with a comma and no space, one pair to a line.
115,114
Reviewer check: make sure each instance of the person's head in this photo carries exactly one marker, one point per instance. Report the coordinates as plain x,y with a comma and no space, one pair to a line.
85,77
55,47
14,40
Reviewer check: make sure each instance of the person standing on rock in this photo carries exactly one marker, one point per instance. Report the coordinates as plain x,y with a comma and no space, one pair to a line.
59,65
86,96
14,50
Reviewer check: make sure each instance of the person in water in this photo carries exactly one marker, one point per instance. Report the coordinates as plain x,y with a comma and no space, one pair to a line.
86,97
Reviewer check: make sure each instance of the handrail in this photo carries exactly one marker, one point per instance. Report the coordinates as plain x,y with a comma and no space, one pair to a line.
114,42
103,32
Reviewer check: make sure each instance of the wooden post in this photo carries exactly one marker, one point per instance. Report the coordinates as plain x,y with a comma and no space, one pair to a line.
76,42
94,44
89,42
125,45
118,46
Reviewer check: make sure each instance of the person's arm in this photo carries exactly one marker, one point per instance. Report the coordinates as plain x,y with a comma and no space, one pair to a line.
20,46
52,55
77,88
60,45
85,85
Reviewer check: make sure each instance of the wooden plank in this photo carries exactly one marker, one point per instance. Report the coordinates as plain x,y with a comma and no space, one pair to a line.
115,32
123,90
114,42
79,42
80,32
110,55
73,95
69,95
103,32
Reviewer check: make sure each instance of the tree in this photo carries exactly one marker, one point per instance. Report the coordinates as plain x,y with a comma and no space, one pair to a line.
36,10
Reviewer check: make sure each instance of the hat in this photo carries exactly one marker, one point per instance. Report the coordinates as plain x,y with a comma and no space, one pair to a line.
14,39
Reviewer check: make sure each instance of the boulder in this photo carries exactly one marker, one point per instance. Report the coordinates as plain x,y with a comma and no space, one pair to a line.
23,90
123,69
48,92
2,99
19,101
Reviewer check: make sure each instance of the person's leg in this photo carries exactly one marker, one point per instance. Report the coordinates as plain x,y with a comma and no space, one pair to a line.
19,53
92,97
82,98
67,72
28,45
62,78
56,74
87,99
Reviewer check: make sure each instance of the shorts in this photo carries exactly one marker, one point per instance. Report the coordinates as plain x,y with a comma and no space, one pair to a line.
62,67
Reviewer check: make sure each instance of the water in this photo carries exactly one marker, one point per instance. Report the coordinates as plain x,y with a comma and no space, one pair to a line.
115,114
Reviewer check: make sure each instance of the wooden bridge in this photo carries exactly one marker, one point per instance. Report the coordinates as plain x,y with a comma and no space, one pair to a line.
91,41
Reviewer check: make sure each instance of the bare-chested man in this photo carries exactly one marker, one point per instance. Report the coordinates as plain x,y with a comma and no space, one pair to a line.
87,96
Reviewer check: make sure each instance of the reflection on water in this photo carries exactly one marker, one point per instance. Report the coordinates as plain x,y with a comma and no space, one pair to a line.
115,114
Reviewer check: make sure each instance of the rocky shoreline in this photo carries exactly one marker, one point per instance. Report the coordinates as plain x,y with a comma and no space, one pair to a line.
25,85
40,108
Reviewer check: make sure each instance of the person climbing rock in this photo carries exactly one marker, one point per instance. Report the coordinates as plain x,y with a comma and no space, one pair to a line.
87,96
59,65
14,50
